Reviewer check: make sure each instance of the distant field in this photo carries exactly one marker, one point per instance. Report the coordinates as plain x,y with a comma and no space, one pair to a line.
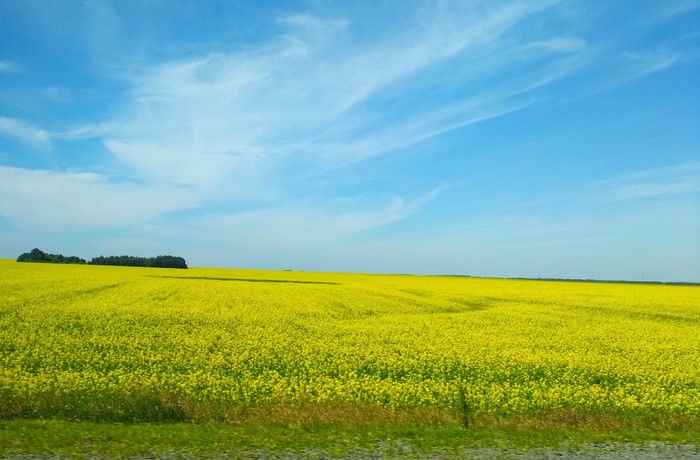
118,344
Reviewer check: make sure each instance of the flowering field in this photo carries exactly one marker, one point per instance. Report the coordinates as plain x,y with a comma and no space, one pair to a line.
137,344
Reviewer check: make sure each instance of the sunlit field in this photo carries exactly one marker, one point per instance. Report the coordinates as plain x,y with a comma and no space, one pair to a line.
97,343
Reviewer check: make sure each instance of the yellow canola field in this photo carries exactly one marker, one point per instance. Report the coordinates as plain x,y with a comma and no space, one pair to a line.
118,343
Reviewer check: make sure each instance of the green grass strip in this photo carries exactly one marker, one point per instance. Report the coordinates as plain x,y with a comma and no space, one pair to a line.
188,440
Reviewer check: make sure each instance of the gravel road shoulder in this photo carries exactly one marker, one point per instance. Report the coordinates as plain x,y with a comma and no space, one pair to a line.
403,450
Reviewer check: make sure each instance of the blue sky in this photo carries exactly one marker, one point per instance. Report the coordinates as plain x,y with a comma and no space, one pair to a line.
494,138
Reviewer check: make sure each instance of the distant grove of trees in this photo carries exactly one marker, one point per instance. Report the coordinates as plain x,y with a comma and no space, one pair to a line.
37,255
131,261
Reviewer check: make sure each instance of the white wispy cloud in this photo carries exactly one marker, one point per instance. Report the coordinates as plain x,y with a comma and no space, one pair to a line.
308,226
655,189
299,236
665,10
10,67
84,132
560,44
235,127
40,137
26,132
643,64
57,200
658,182
313,98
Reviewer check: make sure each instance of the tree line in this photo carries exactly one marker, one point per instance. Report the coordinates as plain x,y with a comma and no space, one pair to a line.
131,261
37,255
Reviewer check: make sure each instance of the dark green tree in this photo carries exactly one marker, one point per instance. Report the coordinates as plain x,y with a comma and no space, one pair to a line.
37,255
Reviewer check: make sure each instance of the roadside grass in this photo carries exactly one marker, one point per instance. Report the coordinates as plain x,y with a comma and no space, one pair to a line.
337,431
